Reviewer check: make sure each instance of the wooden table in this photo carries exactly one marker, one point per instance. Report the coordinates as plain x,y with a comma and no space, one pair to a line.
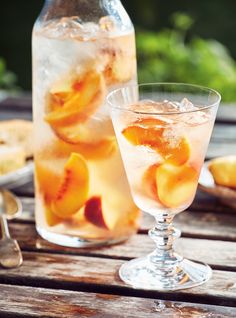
62,282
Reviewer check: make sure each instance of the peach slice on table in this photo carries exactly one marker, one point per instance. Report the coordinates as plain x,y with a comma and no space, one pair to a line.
97,215
73,188
176,185
85,96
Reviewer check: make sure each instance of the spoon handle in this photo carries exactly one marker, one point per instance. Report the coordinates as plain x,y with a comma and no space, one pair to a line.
4,225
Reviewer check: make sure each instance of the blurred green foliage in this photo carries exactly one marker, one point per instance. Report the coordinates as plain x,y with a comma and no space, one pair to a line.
167,56
7,79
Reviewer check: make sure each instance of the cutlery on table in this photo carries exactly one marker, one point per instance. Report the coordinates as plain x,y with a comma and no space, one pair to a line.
10,253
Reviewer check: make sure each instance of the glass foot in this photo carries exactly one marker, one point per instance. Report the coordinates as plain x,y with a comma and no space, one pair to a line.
141,273
72,241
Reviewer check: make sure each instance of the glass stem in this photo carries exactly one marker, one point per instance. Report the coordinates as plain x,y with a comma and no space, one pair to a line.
164,259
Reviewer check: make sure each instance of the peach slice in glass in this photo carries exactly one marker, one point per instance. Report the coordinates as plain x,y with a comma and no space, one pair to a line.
88,94
176,185
73,188
96,214
178,154
150,132
145,132
149,181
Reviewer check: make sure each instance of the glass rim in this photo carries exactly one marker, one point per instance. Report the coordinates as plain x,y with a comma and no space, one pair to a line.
200,87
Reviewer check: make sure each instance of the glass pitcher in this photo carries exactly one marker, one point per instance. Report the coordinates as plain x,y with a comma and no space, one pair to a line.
82,49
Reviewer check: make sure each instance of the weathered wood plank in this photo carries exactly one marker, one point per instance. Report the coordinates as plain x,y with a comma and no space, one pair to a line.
224,132
227,113
80,273
219,254
19,103
51,303
213,225
206,202
27,190
219,149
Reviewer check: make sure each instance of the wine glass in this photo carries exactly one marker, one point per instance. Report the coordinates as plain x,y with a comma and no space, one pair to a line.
163,131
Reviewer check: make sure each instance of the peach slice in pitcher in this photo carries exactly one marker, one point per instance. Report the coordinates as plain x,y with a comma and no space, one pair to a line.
73,187
120,68
51,218
176,185
48,178
95,213
120,59
81,101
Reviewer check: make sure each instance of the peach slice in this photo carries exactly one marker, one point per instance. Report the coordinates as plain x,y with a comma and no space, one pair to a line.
176,185
119,59
57,100
51,218
96,215
119,68
146,132
178,154
150,132
140,136
87,94
73,189
73,134
48,179
149,181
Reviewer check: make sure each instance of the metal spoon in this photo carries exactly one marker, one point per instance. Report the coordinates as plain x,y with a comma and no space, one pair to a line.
10,253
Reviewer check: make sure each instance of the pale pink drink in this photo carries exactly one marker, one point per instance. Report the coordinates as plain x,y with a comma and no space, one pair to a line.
82,196
163,131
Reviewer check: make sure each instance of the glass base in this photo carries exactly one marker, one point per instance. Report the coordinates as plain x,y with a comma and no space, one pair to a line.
74,241
141,273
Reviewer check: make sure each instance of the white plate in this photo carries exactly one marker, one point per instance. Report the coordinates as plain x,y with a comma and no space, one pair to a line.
207,184
18,177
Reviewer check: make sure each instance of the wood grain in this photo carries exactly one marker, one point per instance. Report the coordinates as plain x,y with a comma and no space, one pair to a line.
99,275
220,148
63,282
227,113
51,303
210,225
219,254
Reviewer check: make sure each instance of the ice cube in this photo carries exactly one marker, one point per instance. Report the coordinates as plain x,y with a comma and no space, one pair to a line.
173,139
71,27
186,105
150,106
196,118
107,23
65,27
